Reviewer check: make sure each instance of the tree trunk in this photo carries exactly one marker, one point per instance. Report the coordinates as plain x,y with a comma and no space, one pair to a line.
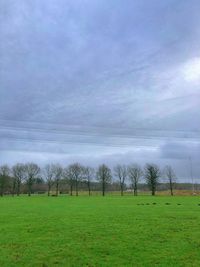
103,189
2,190
49,189
171,189
76,188
71,190
18,188
29,189
122,189
135,189
57,185
89,189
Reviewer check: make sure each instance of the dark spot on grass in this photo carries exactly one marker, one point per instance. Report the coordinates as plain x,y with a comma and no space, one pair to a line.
178,204
154,203
167,203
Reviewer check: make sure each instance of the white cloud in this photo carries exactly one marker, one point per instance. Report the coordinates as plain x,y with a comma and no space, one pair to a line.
191,70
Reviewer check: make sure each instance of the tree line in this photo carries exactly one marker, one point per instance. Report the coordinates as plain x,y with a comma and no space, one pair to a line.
74,175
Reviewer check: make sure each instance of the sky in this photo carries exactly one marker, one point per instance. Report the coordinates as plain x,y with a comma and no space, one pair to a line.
100,81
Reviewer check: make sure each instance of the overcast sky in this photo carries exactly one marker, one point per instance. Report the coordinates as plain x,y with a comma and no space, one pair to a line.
100,81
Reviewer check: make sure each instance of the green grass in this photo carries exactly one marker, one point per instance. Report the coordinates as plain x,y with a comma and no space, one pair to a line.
97,231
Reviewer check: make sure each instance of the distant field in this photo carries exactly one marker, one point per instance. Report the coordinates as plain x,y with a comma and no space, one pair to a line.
97,231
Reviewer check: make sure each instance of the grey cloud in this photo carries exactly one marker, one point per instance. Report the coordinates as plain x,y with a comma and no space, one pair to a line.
181,150
103,67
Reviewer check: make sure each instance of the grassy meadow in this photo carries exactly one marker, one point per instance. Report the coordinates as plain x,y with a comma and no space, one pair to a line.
100,231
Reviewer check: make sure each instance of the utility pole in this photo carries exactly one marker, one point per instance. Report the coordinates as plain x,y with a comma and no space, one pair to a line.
191,174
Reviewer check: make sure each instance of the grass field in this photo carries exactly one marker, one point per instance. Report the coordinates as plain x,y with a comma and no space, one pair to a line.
97,231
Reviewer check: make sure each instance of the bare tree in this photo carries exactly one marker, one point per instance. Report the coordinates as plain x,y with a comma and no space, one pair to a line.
68,174
134,173
4,178
120,171
171,177
48,173
57,174
152,175
104,176
32,171
19,174
88,174
75,174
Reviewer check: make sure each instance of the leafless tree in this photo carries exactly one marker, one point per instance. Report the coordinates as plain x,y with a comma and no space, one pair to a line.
120,172
68,174
19,174
88,174
104,176
57,174
134,173
4,178
32,171
171,177
75,173
152,175
48,173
